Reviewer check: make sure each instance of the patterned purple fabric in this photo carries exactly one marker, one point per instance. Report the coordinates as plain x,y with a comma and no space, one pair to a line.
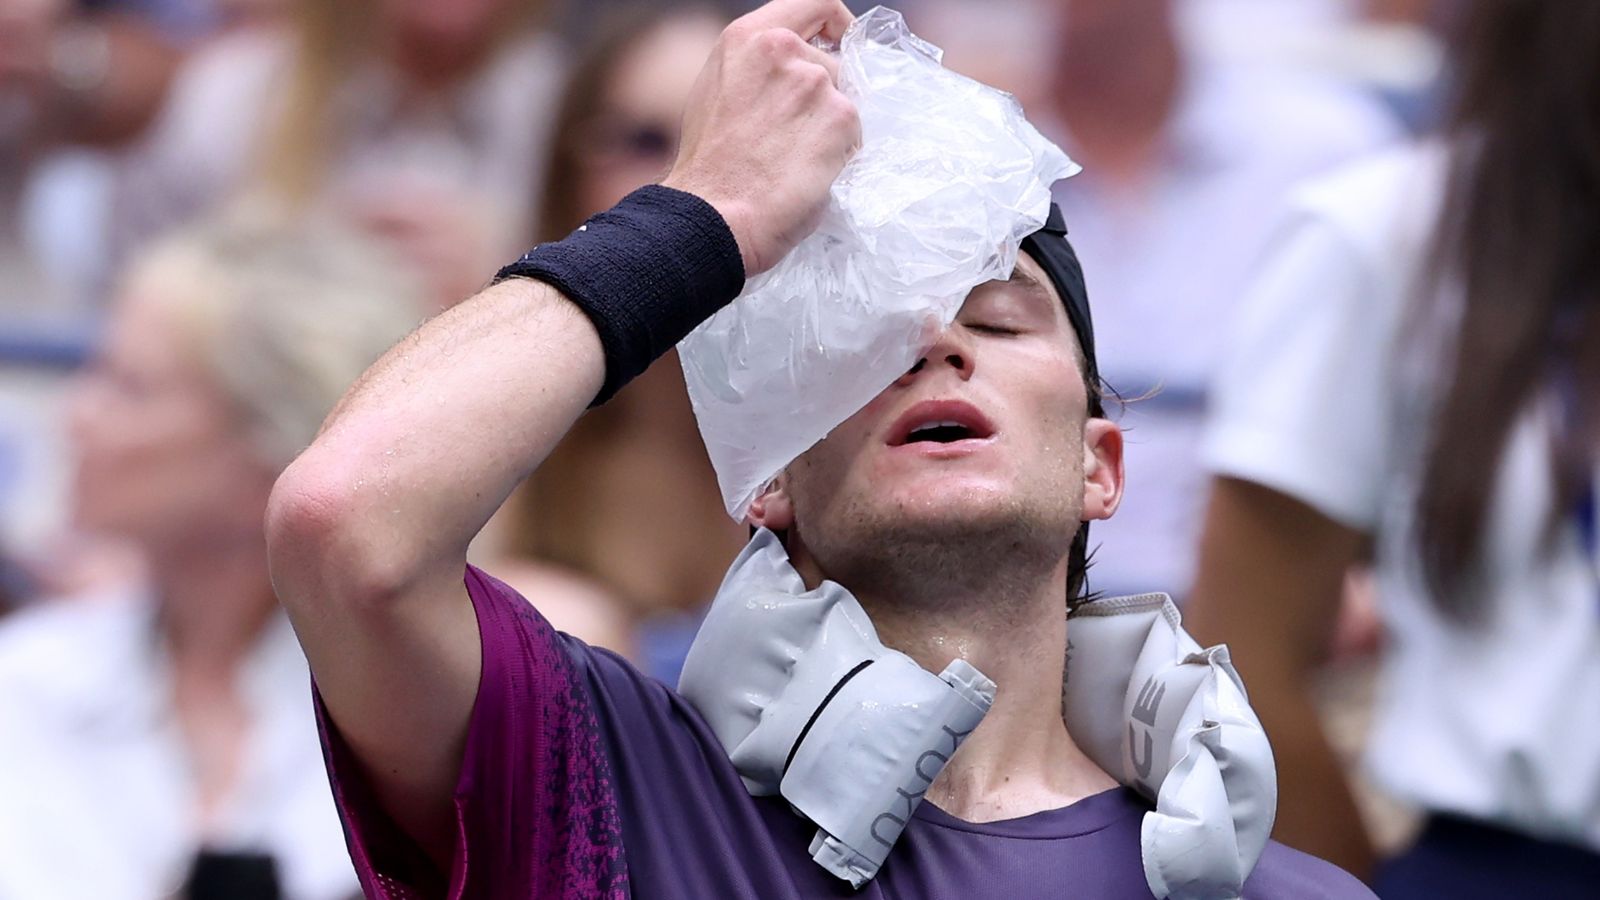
584,778
535,810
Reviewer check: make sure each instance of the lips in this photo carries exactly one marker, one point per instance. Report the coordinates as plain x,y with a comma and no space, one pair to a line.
940,422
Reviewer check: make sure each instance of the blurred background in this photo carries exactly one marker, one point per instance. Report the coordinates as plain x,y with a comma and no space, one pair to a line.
215,213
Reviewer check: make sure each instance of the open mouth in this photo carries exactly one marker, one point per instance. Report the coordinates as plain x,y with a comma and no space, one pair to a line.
939,433
940,422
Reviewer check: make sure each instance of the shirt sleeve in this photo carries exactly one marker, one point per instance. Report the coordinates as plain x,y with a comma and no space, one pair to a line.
1301,402
1285,872
535,810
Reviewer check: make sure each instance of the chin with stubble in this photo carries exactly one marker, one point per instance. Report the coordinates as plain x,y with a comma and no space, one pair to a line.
935,546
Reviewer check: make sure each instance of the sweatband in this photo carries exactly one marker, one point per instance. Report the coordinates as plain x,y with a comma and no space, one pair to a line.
645,272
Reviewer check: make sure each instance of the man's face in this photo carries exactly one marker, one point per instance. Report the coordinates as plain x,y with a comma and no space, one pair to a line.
981,443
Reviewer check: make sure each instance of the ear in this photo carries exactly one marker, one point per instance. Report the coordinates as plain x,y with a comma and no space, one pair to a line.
773,509
1102,469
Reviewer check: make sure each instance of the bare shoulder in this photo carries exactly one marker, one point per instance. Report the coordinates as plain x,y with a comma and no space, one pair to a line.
1284,872
573,603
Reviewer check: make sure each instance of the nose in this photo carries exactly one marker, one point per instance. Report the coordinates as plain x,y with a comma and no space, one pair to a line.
953,349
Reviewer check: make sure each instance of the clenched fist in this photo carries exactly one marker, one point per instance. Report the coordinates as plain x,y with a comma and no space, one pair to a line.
766,130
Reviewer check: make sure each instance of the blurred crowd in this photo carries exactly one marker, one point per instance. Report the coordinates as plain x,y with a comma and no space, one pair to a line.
1339,254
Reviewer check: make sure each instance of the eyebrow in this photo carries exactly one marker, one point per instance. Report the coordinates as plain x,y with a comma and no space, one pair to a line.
1026,280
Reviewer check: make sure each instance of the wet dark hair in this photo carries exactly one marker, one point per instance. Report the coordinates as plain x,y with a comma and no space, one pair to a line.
1080,558
1517,233
1050,248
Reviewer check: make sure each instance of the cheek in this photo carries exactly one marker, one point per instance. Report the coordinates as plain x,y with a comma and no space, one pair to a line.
810,477
1061,431
826,474
1057,416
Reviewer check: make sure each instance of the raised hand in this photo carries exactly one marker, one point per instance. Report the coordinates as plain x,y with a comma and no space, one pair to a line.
767,131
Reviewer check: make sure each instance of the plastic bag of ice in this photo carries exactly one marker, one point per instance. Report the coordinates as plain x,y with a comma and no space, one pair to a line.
948,181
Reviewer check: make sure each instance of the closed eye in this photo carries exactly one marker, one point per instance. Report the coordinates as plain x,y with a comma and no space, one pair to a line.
983,328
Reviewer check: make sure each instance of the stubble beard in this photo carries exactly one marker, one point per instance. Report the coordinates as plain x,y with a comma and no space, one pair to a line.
951,561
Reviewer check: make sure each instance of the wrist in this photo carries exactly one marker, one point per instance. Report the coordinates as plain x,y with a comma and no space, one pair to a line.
646,272
735,214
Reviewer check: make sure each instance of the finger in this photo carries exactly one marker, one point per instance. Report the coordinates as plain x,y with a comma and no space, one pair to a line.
853,128
807,18
826,60
836,19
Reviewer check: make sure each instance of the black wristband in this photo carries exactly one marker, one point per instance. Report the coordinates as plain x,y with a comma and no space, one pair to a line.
645,272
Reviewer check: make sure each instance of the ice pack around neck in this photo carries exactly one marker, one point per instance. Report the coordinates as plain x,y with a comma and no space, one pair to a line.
1172,721
810,704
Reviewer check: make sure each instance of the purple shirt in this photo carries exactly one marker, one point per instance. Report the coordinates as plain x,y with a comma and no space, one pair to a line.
583,778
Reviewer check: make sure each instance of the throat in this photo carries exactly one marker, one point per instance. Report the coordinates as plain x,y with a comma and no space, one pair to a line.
1008,631
1021,759
1011,767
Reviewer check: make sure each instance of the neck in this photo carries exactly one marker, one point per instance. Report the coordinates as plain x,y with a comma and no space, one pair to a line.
1115,94
1021,758
216,599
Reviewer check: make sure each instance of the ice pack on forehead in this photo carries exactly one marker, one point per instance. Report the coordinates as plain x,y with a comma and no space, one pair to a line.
949,178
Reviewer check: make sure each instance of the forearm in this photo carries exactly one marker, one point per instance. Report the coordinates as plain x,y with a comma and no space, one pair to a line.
367,531
1317,810
1269,582
432,439
427,446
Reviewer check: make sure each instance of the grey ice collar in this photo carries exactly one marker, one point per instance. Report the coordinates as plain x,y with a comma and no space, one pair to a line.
809,704
1171,720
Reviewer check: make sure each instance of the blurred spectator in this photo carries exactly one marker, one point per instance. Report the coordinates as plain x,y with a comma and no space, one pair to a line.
191,20
79,80
421,120
142,726
78,76
1002,43
14,583
65,78
1395,49
1418,369
595,506
1184,163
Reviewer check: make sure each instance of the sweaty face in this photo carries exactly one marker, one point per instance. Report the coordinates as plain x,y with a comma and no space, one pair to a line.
980,445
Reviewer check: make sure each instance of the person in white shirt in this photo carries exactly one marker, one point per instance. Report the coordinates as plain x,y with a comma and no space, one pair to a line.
1417,369
1185,163
157,740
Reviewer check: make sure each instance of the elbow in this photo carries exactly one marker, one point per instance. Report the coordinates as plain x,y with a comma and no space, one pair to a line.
326,543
